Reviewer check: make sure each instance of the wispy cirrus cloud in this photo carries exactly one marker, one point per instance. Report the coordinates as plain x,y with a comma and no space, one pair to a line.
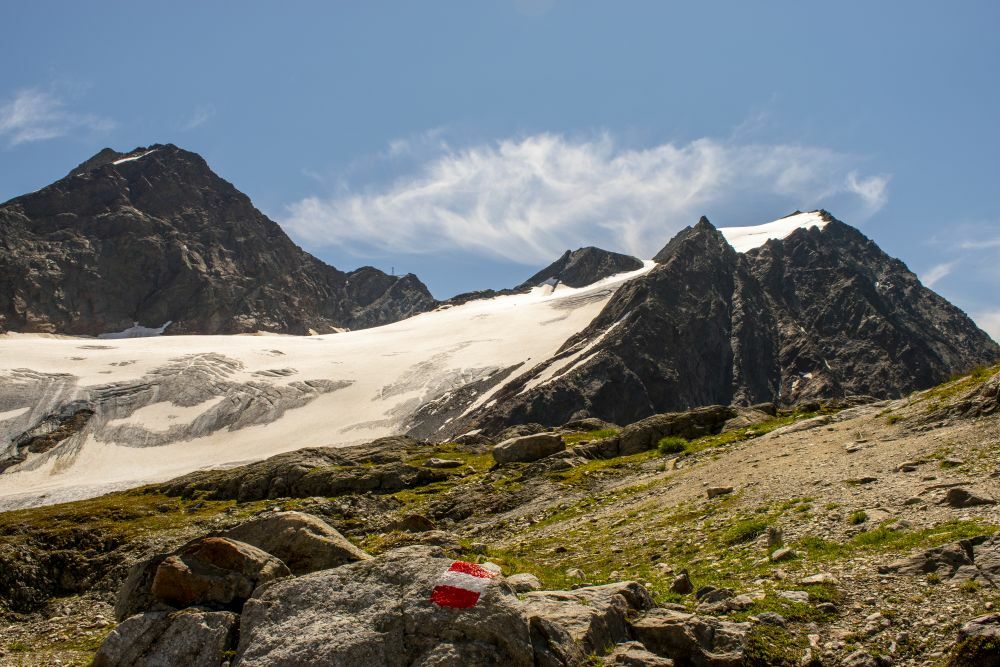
934,274
37,114
989,321
201,115
528,199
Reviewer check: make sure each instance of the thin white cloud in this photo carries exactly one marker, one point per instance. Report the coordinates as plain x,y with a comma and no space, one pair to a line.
529,199
982,244
201,115
989,321
936,273
36,114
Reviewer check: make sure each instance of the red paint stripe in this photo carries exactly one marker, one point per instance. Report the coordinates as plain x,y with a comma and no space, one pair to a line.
449,596
471,568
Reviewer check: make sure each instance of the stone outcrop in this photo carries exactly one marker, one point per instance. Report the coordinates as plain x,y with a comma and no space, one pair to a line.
699,641
976,559
154,237
378,466
527,448
303,542
380,612
593,617
214,571
192,637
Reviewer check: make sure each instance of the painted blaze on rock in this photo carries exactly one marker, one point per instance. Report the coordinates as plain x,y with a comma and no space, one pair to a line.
461,585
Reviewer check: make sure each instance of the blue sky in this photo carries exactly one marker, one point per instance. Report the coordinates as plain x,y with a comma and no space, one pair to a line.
471,142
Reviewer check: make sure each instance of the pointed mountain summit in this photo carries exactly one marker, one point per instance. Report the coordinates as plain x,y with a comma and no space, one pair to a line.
155,236
584,266
801,308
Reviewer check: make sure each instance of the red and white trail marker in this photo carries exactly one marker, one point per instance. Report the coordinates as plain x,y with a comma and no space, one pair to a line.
461,585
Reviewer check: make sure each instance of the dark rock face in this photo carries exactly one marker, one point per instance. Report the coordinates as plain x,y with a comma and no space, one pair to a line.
821,313
584,266
161,238
852,320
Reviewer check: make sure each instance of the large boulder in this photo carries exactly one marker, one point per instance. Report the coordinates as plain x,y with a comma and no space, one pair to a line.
192,638
135,594
698,641
303,542
975,558
593,617
978,643
528,448
214,571
381,612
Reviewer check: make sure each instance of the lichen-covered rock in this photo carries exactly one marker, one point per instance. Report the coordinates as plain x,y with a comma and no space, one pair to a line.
214,571
699,641
527,448
634,654
303,542
192,638
380,612
136,595
594,617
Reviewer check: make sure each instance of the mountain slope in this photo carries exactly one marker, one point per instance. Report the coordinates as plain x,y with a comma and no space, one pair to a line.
155,236
812,309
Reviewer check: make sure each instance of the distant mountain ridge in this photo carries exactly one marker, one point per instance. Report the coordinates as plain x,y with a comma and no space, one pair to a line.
820,312
154,235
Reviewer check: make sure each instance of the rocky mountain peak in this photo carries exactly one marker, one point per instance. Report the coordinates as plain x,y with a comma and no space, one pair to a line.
810,309
154,235
584,266
702,237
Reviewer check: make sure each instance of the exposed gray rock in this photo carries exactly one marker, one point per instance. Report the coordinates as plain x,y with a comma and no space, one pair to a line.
214,571
699,641
442,463
135,595
959,497
634,654
976,559
528,448
377,466
595,616
716,491
379,612
303,542
978,643
524,582
192,637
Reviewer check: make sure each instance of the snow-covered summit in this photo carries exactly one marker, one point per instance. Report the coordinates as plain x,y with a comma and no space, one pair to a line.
748,238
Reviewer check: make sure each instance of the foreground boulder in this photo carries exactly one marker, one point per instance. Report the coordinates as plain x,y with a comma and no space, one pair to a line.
978,643
214,571
699,641
527,448
381,612
593,617
192,638
303,542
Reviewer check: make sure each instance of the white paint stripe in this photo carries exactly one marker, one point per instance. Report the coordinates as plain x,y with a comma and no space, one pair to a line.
463,580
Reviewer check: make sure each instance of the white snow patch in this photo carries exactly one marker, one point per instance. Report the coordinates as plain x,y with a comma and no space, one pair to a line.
11,414
388,368
134,157
161,416
748,238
